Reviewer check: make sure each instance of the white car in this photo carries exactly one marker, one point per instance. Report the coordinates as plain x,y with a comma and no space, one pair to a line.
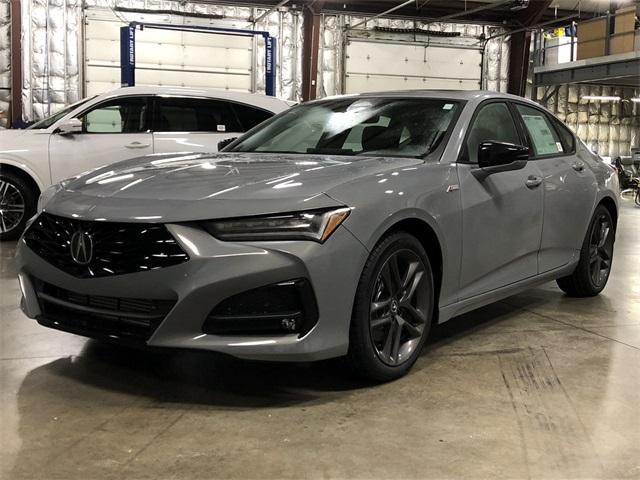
118,125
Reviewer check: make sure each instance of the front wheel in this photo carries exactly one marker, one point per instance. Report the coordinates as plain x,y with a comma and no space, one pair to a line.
393,309
591,275
17,205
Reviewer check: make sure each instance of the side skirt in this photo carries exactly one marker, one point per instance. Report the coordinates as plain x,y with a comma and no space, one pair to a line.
468,304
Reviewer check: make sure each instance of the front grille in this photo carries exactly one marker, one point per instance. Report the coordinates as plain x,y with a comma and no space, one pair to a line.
121,318
281,308
117,248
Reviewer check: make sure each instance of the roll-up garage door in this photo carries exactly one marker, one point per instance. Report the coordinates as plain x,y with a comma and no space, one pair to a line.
373,65
168,58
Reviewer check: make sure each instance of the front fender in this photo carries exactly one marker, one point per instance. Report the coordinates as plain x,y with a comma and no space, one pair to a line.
428,193
38,178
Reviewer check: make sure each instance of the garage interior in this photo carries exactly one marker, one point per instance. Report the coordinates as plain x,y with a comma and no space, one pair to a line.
539,385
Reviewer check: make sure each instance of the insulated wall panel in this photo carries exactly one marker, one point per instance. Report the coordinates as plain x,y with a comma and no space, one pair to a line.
50,39
610,128
5,61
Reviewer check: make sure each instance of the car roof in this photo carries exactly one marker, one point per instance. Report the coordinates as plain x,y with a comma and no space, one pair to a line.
449,94
262,101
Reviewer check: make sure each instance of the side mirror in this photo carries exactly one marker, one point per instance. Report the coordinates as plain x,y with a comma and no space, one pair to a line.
225,142
71,126
501,154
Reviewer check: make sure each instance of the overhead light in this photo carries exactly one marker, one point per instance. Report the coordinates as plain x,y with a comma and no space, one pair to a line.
636,99
601,98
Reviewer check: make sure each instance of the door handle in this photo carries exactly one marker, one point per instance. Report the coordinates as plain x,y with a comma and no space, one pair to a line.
533,181
578,166
136,145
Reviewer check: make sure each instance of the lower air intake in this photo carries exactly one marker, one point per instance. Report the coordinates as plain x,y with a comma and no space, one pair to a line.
281,308
120,318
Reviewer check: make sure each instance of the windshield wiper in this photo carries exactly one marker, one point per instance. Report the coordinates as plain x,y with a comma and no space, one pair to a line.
331,151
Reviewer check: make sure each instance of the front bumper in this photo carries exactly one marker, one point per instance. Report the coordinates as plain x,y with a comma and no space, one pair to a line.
217,270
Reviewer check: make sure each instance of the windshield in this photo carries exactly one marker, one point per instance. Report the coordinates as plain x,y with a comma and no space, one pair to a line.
405,127
51,119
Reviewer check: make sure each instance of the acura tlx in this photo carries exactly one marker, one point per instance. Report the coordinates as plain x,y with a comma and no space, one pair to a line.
341,227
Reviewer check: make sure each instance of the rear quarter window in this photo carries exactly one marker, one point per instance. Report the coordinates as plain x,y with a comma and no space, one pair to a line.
566,137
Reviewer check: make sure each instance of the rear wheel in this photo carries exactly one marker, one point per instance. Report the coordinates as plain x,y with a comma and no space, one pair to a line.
393,309
17,205
591,275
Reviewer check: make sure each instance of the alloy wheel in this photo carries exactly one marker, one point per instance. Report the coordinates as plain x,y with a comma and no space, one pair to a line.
600,250
399,302
12,206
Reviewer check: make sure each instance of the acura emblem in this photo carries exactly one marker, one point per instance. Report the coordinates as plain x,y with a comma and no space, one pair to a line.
81,247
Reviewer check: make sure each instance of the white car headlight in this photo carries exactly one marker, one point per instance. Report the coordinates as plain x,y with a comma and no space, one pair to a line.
316,225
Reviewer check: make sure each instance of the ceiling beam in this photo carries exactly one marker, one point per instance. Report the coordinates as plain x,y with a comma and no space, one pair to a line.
264,14
382,14
533,13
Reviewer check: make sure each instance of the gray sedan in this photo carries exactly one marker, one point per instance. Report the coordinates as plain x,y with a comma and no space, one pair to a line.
341,227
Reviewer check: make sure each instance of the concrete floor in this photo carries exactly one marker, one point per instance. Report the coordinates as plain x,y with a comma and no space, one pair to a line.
537,386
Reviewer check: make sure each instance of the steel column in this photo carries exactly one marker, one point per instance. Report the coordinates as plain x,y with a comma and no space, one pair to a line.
520,47
16,63
310,46
518,63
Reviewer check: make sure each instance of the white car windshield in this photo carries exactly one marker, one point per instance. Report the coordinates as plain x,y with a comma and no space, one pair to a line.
405,127
51,119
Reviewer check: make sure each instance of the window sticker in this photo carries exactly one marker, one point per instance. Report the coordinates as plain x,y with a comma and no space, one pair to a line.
222,128
447,106
541,135
559,145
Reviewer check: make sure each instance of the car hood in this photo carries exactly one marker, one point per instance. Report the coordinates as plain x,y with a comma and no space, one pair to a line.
12,139
171,188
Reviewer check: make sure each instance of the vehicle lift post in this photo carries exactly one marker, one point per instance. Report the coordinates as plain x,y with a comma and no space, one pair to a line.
128,49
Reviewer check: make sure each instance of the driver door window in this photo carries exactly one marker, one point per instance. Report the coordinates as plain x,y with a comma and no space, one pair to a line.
122,115
113,130
492,123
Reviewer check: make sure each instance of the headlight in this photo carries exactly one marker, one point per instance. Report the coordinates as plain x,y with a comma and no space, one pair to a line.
45,196
317,225
48,194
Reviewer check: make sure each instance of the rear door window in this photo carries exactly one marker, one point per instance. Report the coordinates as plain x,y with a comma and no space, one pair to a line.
543,136
195,115
249,117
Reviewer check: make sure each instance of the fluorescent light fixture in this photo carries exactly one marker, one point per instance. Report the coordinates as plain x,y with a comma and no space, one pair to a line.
635,99
601,98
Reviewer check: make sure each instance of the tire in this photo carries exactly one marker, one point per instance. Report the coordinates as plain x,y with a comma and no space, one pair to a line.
18,204
395,294
596,257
